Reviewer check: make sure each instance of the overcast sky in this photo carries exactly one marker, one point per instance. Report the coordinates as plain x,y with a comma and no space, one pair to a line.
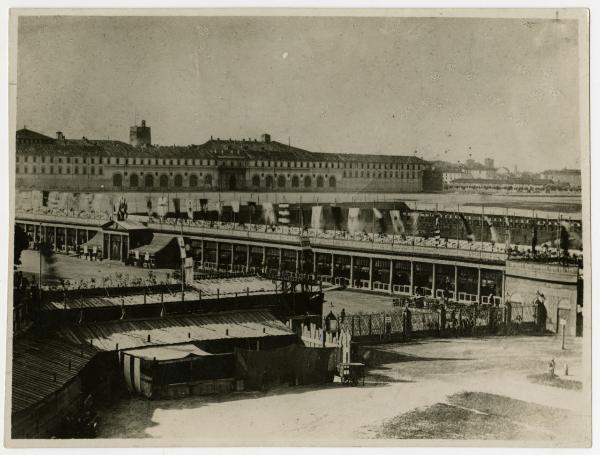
500,88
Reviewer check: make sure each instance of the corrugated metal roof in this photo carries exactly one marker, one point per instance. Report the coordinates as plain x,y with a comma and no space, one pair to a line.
35,363
129,334
178,351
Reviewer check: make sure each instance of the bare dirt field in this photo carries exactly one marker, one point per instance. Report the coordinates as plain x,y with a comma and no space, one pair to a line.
357,302
465,389
75,269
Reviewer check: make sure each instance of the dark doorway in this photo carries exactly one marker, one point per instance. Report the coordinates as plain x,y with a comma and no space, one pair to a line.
232,183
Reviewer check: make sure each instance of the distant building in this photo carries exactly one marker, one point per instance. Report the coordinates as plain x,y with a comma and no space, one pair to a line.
449,171
571,177
481,171
470,169
46,163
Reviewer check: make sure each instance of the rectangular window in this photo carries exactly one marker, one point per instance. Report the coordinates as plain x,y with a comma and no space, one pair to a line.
26,158
43,170
51,169
60,160
18,159
33,170
60,170
92,160
68,170
92,170
83,170
75,170
100,171
68,160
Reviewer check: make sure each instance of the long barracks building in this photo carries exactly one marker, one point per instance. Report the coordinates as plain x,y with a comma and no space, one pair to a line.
58,163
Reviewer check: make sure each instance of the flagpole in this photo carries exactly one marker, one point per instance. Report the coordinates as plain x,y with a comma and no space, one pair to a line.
457,217
558,237
481,228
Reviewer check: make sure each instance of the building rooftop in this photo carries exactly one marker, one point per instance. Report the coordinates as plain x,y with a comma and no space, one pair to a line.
563,171
212,149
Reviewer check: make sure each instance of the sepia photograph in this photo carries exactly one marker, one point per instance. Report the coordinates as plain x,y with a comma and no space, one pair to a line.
284,227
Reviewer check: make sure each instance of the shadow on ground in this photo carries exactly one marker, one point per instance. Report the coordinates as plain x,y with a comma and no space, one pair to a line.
375,357
476,416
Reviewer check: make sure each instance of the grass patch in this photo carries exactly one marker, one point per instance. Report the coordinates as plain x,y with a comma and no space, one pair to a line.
483,416
555,381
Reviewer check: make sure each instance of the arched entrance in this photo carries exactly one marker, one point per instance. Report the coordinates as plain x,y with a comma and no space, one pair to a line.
232,182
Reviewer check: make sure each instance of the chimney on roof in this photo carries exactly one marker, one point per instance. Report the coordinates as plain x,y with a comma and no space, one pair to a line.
60,137
265,137
140,136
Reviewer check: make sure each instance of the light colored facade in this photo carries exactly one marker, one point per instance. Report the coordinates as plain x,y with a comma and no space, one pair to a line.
226,165
567,176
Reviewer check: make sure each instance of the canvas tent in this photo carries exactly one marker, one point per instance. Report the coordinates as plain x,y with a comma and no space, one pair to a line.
162,251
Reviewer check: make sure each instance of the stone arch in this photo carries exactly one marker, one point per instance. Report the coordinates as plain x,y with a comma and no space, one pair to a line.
295,181
163,181
320,181
332,181
193,180
307,181
134,180
281,181
255,180
178,180
232,182
269,181
117,180
148,181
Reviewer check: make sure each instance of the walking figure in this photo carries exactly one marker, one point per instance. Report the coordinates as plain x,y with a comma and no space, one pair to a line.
551,367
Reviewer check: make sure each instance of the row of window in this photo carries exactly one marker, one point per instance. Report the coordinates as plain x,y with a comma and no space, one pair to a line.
295,181
135,181
379,175
198,162
115,160
59,170
336,165
60,159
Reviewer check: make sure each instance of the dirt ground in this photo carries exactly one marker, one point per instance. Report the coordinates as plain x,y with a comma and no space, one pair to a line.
466,389
75,269
356,302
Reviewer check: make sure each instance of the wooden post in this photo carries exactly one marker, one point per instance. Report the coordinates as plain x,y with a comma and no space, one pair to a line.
412,278
456,283
479,285
433,280
217,258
